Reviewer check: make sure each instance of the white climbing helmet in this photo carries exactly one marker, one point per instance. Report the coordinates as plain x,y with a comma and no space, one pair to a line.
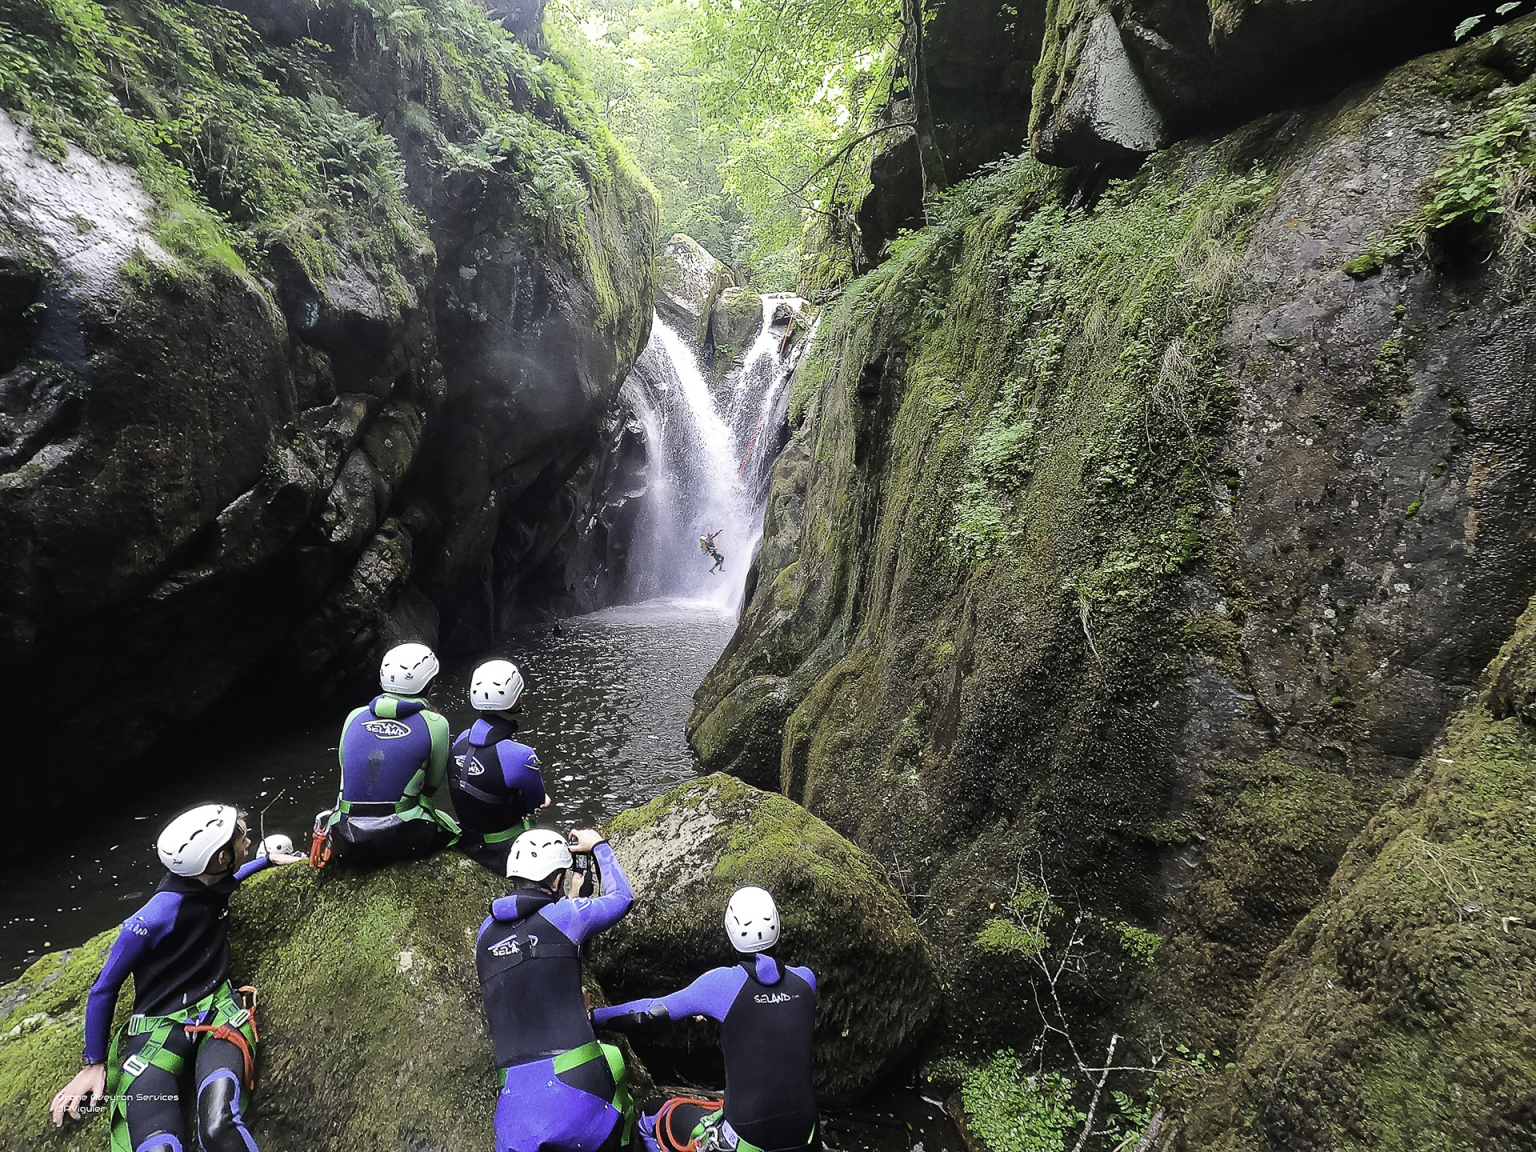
275,844
537,855
752,920
407,669
495,686
194,838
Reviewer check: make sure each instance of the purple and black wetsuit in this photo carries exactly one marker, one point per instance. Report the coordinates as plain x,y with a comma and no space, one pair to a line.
529,957
767,1016
176,948
394,754
496,787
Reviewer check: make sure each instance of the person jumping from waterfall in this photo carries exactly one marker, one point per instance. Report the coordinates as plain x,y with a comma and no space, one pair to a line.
707,546
187,1018
767,1012
495,782
394,755
561,1090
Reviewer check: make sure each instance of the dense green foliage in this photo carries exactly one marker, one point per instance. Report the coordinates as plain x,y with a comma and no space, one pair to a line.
246,146
748,117
639,60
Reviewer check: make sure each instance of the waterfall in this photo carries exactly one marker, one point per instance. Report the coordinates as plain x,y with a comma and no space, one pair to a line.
707,469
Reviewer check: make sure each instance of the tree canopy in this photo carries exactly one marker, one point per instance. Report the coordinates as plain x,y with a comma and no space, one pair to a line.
746,114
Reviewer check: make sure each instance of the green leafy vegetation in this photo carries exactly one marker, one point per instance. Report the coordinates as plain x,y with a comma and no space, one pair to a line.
1471,23
179,92
1013,1112
1486,175
248,148
753,120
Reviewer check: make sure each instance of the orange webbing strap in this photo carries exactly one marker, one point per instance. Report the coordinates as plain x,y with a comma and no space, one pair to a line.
228,1031
664,1134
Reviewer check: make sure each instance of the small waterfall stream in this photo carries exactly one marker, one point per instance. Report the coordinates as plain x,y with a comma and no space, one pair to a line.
710,452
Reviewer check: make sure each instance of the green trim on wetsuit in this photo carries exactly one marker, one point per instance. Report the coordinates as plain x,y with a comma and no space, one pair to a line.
413,803
442,745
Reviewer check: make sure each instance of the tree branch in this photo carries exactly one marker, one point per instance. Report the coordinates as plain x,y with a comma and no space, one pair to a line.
1098,1089
847,148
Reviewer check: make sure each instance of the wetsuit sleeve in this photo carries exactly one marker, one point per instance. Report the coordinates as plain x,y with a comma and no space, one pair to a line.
808,976
251,867
140,932
712,995
583,917
527,779
437,759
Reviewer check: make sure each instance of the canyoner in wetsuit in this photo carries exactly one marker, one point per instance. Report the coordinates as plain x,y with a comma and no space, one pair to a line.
561,1090
767,1015
707,546
186,1016
394,755
494,781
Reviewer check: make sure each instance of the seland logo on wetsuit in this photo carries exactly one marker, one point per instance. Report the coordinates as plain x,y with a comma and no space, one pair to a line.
387,729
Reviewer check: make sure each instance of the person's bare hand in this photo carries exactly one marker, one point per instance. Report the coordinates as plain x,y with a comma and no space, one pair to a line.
89,1083
547,802
585,839
285,858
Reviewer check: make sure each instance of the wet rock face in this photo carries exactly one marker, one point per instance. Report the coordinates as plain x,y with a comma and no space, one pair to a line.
687,851
1408,986
207,474
735,320
976,63
1203,741
1107,115
1103,83
1126,79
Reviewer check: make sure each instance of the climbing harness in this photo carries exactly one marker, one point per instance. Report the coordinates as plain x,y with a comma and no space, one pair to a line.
623,1103
460,772
231,1032
221,1013
412,805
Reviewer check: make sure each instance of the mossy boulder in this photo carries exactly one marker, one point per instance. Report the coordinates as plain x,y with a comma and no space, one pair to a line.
373,1032
687,851
688,279
735,321
742,735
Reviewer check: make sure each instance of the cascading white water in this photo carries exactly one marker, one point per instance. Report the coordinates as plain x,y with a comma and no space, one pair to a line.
707,471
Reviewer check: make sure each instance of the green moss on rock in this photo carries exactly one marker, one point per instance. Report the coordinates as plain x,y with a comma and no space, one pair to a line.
687,851
736,318
1400,1014
742,735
